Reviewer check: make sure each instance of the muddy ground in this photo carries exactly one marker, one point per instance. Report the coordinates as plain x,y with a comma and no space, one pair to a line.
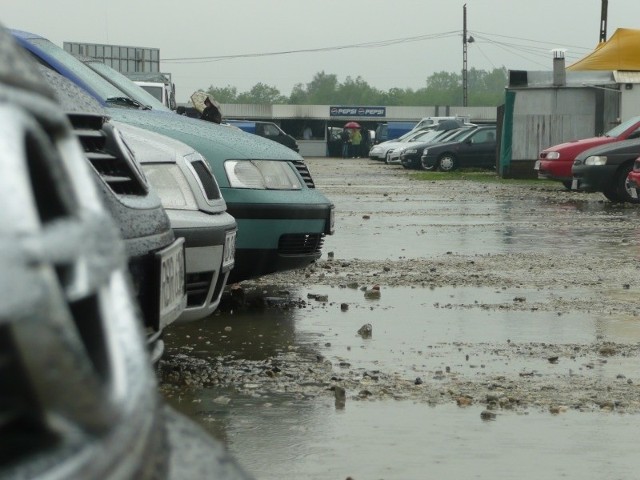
598,258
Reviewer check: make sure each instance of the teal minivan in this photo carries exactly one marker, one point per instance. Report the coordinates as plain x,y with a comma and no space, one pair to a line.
282,218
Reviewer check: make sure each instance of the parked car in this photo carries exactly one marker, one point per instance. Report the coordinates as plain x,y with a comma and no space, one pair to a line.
410,155
155,255
192,199
380,151
633,179
79,397
476,148
606,168
555,162
267,130
282,219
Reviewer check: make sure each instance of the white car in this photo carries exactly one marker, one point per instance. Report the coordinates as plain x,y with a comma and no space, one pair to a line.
190,195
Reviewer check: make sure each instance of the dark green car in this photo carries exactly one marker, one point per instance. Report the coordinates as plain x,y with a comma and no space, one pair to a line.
282,219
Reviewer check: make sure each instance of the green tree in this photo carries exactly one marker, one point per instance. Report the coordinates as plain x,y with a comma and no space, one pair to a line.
226,94
262,94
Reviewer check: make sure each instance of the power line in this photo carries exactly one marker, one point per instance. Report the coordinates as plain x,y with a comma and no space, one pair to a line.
374,44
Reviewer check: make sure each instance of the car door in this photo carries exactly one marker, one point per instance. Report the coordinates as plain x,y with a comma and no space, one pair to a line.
479,149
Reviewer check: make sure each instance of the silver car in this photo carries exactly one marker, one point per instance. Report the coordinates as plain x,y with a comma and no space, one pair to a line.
191,197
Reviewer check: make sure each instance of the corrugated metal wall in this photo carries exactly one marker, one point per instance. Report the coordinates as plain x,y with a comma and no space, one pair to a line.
545,117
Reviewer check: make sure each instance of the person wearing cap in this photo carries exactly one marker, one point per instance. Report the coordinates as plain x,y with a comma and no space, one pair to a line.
211,112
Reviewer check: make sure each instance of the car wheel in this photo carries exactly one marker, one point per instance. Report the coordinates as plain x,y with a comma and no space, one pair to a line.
620,190
447,162
567,185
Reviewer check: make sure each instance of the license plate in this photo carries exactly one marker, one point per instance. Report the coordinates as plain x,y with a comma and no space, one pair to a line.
229,254
172,289
537,165
574,184
633,192
330,227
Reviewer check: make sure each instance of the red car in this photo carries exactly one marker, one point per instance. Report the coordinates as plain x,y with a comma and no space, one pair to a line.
633,180
555,162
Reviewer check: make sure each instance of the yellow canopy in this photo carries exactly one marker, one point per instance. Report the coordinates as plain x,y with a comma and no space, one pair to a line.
620,52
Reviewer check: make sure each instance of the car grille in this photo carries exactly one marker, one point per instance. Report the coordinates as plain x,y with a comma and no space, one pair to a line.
304,173
114,167
300,243
198,287
206,180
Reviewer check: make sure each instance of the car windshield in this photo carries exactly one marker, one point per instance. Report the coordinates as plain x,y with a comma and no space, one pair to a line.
425,136
107,91
128,86
615,131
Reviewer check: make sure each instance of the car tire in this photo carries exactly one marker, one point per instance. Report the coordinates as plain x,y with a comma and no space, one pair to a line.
619,190
447,162
567,184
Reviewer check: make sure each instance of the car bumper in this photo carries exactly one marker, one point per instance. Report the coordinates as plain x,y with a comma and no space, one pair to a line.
207,264
410,160
554,170
593,178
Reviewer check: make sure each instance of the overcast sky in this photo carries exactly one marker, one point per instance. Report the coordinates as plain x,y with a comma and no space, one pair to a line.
517,34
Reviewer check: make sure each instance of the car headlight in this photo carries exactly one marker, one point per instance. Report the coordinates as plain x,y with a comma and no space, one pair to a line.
553,156
411,150
596,160
172,187
261,174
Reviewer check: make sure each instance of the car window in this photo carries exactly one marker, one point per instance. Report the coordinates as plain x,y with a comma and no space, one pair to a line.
635,134
270,130
127,85
615,131
483,136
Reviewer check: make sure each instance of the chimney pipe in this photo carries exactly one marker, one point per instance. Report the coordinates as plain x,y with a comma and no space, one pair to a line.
559,72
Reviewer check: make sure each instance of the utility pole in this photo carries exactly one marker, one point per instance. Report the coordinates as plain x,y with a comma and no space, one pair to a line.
603,21
464,55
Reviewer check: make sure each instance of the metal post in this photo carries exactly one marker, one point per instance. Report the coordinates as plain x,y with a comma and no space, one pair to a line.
603,21
464,55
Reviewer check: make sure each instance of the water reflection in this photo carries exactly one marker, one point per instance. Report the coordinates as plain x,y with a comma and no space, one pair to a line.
416,331
425,226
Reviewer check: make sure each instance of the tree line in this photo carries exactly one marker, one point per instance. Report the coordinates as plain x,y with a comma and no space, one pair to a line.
484,89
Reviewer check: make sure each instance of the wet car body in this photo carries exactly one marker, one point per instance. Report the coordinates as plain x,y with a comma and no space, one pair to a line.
477,148
79,398
282,219
196,210
555,162
605,169
410,155
150,243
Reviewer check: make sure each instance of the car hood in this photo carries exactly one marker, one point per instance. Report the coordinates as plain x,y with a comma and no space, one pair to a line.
579,145
219,142
612,148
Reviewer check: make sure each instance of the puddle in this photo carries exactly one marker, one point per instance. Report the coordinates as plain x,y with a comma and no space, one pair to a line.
426,227
416,332
281,439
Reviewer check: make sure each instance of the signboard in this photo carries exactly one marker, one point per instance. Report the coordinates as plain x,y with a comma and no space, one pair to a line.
124,59
376,112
